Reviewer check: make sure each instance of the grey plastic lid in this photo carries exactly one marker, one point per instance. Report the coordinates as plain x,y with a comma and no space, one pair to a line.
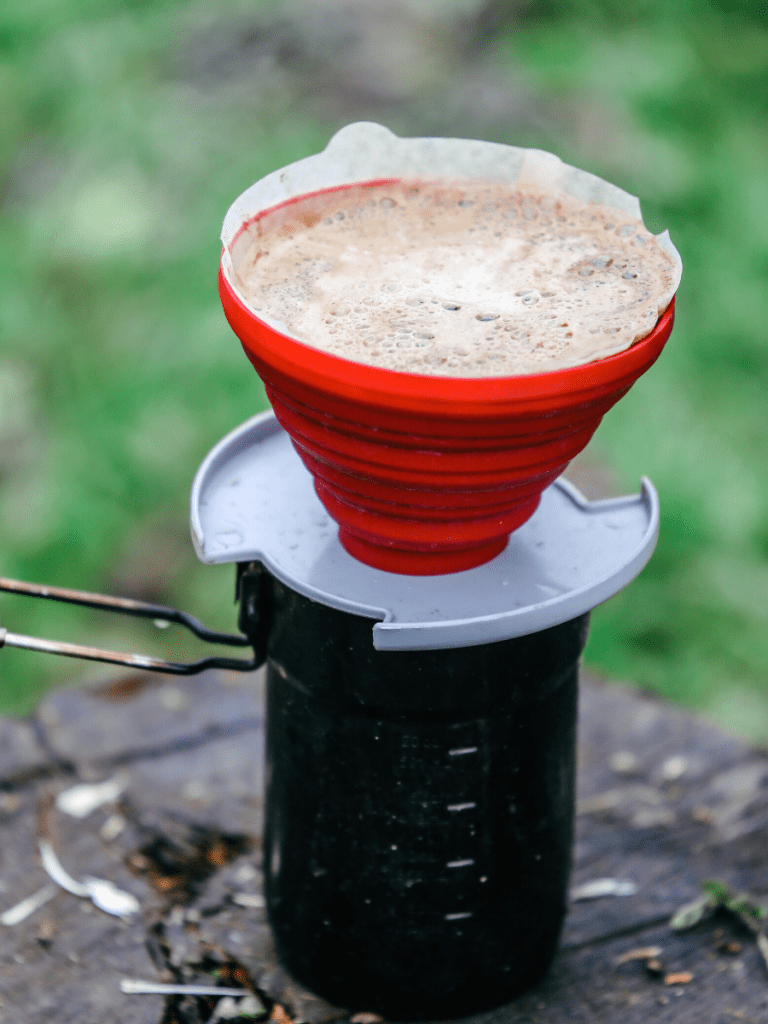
253,499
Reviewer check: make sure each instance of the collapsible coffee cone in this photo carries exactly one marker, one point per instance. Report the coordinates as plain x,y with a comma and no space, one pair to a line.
426,474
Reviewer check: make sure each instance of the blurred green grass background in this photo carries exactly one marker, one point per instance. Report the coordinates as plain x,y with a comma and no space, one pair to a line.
125,133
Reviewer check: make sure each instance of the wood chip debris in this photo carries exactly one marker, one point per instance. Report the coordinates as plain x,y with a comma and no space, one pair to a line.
674,768
81,800
624,762
249,899
600,887
225,1009
112,827
640,953
678,978
230,1008
21,911
703,815
280,1014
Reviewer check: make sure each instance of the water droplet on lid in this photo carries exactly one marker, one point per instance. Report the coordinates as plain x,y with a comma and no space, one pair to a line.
531,298
451,305
586,272
387,202
629,275
601,262
625,230
487,316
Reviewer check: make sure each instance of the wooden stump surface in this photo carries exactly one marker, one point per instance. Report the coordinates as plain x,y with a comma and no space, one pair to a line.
665,801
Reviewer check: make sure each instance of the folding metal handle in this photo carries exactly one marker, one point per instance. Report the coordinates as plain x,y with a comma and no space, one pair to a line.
126,606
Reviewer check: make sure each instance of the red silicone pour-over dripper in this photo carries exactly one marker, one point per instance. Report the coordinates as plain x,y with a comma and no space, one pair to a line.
431,474
423,474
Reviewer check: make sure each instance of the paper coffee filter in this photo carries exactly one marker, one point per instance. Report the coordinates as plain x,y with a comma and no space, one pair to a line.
366,151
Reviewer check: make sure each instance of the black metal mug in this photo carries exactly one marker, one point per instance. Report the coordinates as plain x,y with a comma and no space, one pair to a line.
419,807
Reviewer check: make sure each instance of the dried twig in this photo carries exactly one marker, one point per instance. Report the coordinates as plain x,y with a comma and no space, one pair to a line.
135,986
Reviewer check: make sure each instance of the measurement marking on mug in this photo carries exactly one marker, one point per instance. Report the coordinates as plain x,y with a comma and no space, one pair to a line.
461,807
458,751
460,863
458,917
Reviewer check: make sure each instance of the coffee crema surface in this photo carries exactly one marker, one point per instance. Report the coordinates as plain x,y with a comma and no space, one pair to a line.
463,280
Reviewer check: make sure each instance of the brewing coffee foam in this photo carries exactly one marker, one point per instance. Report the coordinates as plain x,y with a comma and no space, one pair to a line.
467,280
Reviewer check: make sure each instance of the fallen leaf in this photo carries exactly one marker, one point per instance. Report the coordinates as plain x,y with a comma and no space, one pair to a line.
691,913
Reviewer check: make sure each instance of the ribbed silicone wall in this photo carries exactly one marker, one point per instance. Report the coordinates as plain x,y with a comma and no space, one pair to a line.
428,475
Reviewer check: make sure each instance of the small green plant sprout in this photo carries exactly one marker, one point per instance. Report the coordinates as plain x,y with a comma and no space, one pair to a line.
717,895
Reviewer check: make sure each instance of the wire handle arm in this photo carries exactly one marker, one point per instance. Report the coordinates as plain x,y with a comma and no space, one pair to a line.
126,606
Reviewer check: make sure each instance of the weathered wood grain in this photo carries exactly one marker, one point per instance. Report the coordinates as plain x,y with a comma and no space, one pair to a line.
665,800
